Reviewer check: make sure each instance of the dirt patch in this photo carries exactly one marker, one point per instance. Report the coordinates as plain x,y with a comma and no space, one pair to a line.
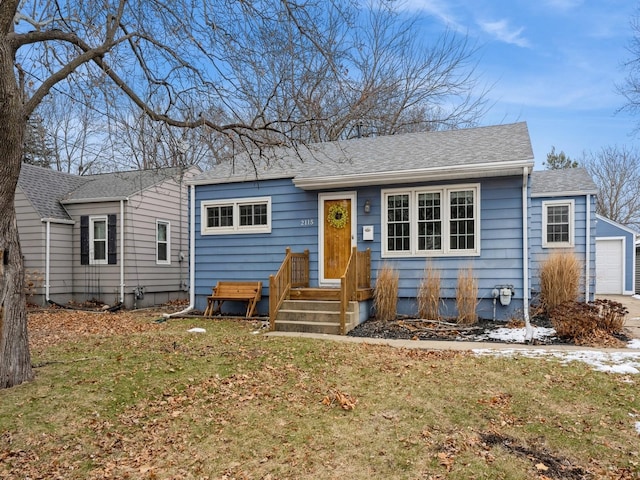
546,463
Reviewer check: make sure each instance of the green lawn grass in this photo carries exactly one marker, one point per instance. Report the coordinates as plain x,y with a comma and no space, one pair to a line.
230,404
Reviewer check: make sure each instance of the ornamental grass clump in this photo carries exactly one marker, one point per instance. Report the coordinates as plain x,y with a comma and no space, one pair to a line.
429,294
559,279
467,297
385,295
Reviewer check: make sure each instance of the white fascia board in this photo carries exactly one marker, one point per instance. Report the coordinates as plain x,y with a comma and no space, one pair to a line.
238,179
566,193
94,200
58,220
503,169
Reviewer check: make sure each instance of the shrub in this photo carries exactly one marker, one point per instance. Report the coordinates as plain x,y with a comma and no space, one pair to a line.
385,295
559,279
467,297
588,323
429,294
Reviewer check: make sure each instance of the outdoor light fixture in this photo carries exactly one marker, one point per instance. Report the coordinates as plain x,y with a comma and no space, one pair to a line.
367,206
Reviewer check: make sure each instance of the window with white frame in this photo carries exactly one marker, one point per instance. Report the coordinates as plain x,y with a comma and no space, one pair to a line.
163,242
98,240
558,223
432,221
246,215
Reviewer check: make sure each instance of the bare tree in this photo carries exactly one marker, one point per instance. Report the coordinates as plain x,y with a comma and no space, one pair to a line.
160,56
247,75
616,172
630,87
383,80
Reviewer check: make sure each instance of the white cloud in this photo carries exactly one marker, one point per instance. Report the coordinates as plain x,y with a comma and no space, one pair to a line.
502,31
436,8
563,5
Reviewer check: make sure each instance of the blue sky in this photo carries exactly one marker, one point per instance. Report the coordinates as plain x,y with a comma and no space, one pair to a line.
552,63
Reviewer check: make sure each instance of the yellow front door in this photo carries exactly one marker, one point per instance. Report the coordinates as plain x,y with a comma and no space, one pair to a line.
337,237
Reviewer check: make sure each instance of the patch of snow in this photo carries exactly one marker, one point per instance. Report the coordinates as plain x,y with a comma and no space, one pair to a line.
517,335
638,427
612,362
196,330
635,343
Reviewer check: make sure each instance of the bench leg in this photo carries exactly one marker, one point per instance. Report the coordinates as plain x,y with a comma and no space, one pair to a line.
209,310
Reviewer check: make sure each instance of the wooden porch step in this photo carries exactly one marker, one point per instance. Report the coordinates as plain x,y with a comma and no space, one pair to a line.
314,316
327,294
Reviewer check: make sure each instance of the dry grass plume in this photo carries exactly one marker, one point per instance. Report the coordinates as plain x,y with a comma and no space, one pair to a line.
559,279
385,295
429,294
467,297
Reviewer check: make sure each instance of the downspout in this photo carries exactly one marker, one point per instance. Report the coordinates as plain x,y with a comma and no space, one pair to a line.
587,249
47,259
525,256
122,250
192,256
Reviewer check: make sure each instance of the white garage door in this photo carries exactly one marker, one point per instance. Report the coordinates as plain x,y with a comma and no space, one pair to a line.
609,267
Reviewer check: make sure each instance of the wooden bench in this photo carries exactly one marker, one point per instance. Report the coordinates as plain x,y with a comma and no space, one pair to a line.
250,292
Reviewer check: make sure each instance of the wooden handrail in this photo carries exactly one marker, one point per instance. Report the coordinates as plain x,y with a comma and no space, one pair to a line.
294,272
348,288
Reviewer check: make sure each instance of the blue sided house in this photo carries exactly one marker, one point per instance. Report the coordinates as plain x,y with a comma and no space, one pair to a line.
615,258
316,224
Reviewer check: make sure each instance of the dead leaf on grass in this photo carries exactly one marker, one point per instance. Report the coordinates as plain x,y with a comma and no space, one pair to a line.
346,402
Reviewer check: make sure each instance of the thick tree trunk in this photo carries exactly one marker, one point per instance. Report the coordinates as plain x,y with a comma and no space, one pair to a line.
15,359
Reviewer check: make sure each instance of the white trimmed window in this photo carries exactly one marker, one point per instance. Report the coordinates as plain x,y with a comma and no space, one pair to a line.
558,223
432,221
163,242
246,215
98,240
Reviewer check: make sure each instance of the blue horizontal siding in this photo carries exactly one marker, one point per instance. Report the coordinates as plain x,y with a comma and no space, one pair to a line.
256,256
605,228
582,237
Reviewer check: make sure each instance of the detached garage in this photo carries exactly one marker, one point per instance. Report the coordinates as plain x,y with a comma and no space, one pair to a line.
615,258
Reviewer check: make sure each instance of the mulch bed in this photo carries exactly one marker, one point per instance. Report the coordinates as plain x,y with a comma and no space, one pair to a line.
408,328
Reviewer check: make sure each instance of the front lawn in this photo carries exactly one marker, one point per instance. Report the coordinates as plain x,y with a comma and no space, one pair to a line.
119,396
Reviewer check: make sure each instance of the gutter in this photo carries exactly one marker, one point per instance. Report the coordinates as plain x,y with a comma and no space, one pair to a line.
525,256
587,249
449,172
47,258
192,256
47,252
122,249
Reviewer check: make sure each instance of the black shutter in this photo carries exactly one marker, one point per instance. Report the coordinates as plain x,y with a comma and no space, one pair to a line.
84,240
113,240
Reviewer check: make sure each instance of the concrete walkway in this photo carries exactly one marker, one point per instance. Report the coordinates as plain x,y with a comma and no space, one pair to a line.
445,344
632,325
633,305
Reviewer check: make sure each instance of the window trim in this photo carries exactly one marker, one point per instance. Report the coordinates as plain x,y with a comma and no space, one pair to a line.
445,217
572,221
236,228
92,240
167,241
